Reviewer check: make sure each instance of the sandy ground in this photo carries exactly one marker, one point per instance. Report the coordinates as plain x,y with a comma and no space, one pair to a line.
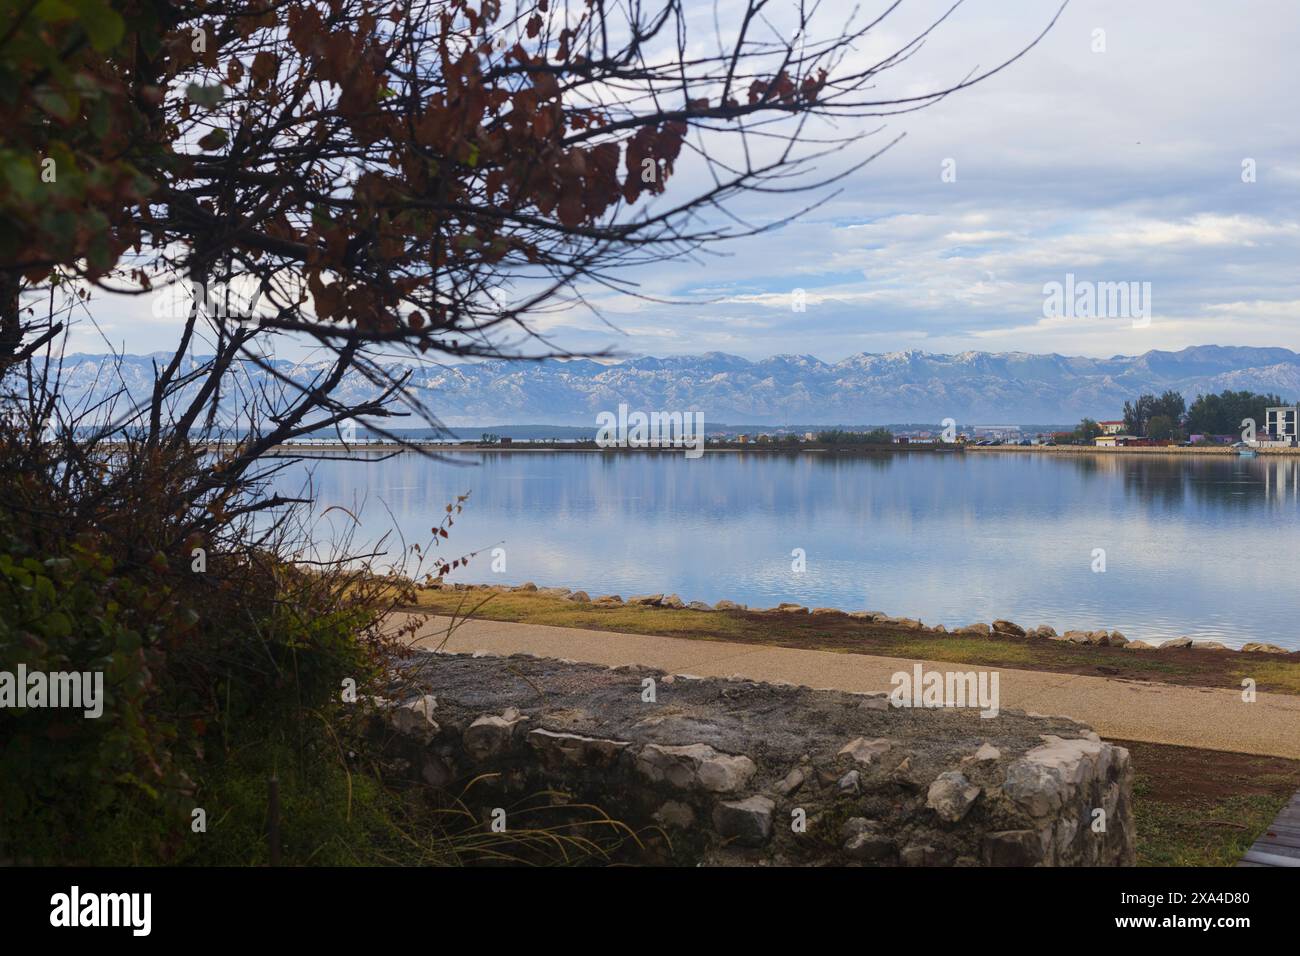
1215,719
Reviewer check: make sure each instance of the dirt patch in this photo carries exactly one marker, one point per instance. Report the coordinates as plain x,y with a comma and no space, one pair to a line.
1196,807
1189,775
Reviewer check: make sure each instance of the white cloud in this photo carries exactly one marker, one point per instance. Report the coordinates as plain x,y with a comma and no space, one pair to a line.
1120,166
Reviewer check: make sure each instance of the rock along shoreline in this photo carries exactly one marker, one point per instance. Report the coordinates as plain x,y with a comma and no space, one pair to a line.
996,629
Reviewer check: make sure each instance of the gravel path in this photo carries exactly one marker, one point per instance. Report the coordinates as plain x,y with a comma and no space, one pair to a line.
1215,719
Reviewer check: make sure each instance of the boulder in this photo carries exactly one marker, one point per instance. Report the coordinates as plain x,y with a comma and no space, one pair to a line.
675,814
1044,631
870,847
414,718
649,600
725,605
695,767
865,751
1047,777
1012,848
850,784
1139,646
855,825
986,753
827,612
1077,637
925,855
608,600
559,750
436,771
974,630
1008,629
1255,647
673,601
527,586
1116,639
791,782
746,822
788,608
1177,643
581,597
489,737
951,796
699,606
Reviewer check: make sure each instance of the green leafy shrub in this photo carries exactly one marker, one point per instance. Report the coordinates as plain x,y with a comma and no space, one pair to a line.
197,659
60,769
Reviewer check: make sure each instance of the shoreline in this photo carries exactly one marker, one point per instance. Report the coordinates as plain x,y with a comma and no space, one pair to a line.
1000,628
1177,450
851,450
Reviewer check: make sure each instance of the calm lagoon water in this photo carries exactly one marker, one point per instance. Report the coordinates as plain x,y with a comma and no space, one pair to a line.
1197,546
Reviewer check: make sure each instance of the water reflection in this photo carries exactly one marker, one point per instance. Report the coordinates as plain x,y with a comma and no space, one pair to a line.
1194,545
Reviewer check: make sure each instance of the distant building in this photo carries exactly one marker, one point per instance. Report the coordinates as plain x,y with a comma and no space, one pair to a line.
997,432
1129,441
809,436
1280,423
1111,428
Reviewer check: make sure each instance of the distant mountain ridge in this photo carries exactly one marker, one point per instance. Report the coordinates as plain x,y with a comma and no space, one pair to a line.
971,387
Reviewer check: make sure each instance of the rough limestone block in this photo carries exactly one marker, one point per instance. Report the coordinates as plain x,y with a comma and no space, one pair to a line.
747,822
951,795
695,767
574,750
490,736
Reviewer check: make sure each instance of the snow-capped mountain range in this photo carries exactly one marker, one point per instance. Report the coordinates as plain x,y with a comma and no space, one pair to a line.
911,386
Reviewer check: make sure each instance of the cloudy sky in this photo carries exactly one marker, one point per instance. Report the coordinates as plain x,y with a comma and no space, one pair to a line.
1117,166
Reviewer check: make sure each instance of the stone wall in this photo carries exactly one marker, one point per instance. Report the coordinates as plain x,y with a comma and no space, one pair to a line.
738,772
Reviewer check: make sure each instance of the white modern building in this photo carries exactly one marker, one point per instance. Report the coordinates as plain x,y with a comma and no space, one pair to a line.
1280,423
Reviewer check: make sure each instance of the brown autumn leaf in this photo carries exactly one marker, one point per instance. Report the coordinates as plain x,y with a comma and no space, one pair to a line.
265,66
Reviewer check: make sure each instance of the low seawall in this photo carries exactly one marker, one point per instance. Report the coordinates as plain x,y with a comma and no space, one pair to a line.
736,772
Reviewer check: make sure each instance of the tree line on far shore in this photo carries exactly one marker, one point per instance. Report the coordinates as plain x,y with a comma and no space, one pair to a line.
838,436
1167,417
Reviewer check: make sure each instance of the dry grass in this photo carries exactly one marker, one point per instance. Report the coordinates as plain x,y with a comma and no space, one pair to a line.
1269,673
